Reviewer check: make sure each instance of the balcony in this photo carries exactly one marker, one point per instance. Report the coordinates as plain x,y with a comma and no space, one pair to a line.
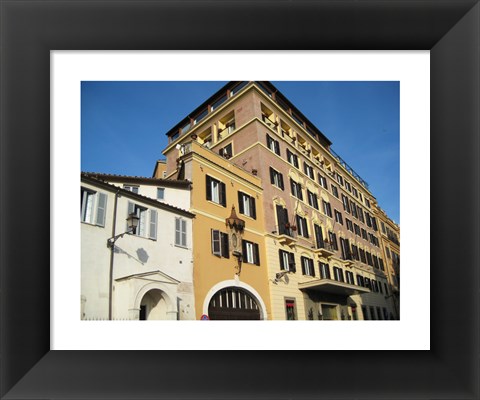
286,235
331,286
327,250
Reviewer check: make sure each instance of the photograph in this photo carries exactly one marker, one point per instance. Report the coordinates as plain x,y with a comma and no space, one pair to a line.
227,201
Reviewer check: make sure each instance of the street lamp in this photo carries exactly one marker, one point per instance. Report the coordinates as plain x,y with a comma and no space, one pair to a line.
132,223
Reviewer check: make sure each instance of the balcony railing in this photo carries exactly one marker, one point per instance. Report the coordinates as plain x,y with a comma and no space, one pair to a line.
326,250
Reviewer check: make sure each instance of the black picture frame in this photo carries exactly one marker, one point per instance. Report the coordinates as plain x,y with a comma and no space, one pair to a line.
30,29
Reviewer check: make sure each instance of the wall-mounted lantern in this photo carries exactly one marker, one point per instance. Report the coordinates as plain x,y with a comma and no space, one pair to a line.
236,227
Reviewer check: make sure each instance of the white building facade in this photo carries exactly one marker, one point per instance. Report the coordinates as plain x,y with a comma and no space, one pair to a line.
141,275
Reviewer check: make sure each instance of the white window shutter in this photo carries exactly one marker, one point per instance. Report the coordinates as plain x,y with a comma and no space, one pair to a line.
177,232
130,209
153,224
101,209
184,232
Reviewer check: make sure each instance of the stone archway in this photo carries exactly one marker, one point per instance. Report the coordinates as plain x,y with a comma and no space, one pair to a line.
153,306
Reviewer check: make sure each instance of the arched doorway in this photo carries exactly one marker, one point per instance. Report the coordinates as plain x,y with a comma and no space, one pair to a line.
233,303
153,306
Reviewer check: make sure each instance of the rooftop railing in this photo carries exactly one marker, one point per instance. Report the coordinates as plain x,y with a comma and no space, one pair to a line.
349,169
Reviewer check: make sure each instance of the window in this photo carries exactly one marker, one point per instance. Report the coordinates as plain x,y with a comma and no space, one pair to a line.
147,222
324,270
296,189
216,191
250,252
372,312
355,252
353,207
369,258
340,179
302,228
360,214
338,274
292,158
338,216
356,228
332,237
160,193
327,209
282,221
273,145
93,207
180,232
345,247
374,285
308,171
246,205
307,266
360,281
382,267
312,199
383,227
386,287
375,262
380,287
364,234
133,189
349,278
367,202
348,186
200,116
220,246
387,250
368,284
335,191
374,224
218,102
355,192
346,205
362,256
287,261
227,151
365,313
186,128
318,236
323,181
276,178
226,125
290,310
349,224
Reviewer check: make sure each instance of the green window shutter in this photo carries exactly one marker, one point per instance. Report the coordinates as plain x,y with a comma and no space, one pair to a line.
208,187
225,246
256,254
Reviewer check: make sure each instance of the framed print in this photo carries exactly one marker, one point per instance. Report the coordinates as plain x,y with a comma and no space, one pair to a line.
31,31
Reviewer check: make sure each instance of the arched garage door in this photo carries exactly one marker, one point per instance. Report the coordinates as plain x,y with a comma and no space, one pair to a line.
233,303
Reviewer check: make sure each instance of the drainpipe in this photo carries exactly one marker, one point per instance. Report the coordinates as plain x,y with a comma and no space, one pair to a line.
112,253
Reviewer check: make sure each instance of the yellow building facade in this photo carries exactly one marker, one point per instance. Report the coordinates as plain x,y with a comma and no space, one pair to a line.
229,264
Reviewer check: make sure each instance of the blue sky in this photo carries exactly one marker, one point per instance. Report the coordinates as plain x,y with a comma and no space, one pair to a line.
123,125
